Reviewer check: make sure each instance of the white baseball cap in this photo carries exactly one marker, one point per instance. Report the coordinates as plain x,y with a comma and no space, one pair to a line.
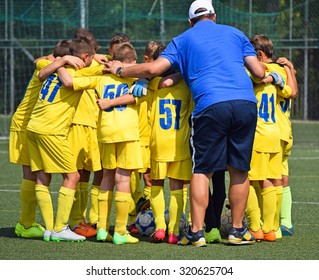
200,4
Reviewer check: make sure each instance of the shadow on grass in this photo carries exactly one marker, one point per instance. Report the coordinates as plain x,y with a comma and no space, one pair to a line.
8,232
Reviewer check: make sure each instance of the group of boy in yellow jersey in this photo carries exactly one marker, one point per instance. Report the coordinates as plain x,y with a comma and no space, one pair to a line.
68,135
272,144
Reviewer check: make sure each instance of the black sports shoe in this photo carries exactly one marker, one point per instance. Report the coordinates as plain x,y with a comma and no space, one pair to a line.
197,239
240,236
142,204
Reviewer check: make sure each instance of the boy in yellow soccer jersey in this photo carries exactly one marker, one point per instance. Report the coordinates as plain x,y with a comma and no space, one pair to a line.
266,156
49,148
286,140
116,39
170,108
18,151
141,199
83,141
118,136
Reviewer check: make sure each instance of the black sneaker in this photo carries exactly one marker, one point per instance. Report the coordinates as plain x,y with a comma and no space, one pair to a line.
142,204
196,239
240,236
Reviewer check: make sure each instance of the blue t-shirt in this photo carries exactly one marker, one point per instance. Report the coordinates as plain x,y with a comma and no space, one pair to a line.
210,57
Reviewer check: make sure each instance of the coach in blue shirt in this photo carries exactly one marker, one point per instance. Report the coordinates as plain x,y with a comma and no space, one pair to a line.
212,59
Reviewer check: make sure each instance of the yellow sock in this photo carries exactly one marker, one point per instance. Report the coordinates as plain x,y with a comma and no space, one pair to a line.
28,203
147,192
158,206
136,192
65,202
279,193
45,205
285,211
94,204
175,210
75,214
84,188
122,205
252,210
185,198
257,188
269,208
105,200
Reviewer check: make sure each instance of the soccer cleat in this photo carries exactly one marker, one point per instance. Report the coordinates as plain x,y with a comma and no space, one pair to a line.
85,229
287,231
259,235
66,234
213,236
158,236
197,239
124,239
240,236
35,231
270,236
47,235
278,234
103,235
172,239
142,204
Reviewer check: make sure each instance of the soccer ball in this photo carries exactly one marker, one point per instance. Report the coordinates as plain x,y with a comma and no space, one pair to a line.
226,223
182,224
145,223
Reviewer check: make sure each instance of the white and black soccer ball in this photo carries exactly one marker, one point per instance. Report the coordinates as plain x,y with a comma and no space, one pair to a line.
145,223
226,223
183,222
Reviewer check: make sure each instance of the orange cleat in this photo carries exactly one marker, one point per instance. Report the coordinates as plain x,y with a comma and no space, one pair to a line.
85,229
259,235
270,236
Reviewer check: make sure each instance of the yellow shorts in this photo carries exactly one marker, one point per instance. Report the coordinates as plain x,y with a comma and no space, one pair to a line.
51,153
146,158
126,155
18,148
84,144
180,170
265,166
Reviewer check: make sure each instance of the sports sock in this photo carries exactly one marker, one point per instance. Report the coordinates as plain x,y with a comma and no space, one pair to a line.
65,202
136,192
94,204
105,200
175,210
147,192
158,206
286,205
28,203
269,200
252,210
122,205
279,193
84,188
75,214
185,198
45,205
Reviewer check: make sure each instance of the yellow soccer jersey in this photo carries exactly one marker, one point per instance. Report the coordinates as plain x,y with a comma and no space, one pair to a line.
283,104
55,108
169,114
85,113
144,125
22,114
120,123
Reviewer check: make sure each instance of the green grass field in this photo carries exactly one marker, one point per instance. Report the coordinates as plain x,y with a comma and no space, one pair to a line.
304,178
